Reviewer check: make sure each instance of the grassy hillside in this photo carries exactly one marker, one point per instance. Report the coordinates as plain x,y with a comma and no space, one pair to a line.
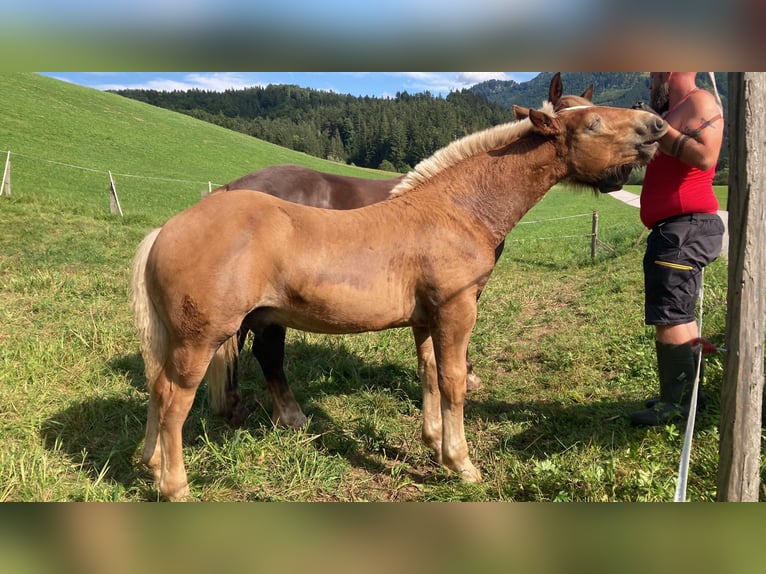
53,128
559,342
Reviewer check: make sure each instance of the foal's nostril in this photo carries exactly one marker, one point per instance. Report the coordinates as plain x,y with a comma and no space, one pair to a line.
659,124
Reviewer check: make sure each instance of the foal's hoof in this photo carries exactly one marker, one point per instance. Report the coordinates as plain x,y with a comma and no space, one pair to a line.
473,382
176,493
470,474
182,496
238,415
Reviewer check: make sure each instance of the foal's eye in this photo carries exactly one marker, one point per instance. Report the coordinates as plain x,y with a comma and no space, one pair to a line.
595,123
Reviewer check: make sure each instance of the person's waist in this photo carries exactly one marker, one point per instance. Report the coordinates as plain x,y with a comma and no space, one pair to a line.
690,217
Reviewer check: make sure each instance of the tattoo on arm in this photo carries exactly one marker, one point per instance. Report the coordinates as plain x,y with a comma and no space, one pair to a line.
708,123
678,146
680,142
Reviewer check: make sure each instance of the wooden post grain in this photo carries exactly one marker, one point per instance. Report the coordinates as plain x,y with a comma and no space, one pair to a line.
742,388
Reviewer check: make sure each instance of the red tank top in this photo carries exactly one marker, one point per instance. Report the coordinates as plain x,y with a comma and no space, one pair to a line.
672,187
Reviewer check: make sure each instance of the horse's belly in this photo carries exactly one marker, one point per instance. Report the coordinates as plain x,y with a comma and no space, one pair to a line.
345,311
336,325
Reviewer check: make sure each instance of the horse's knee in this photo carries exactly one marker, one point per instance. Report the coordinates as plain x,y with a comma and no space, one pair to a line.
426,364
453,385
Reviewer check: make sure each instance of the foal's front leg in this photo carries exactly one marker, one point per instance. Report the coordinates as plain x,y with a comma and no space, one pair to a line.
432,414
451,330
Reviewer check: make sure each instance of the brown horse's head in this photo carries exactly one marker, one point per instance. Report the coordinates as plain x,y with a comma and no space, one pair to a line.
601,145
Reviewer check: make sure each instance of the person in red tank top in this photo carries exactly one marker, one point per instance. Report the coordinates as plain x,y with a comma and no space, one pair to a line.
680,208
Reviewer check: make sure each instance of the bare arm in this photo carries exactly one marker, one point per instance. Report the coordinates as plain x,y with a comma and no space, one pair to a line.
696,132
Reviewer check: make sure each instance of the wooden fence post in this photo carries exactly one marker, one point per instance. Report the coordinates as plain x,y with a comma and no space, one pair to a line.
742,388
114,201
594,235
594,240
5,186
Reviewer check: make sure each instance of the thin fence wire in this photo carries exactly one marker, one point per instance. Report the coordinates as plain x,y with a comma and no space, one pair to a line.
108,175
104,171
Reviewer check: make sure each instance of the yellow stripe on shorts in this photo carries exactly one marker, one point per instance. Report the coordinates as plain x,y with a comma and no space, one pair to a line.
674,265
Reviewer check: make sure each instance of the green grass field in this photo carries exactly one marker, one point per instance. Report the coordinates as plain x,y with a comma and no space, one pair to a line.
560,340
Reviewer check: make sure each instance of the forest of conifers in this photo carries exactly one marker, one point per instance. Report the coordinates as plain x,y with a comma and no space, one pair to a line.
394,133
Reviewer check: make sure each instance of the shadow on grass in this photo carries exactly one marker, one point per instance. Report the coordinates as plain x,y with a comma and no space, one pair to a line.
552,428
101,435
132,367
315,371
105,435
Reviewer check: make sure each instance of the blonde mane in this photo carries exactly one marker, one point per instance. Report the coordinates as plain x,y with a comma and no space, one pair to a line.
470,145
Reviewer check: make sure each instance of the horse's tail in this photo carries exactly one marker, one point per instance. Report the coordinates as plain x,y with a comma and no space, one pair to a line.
220,377
152,333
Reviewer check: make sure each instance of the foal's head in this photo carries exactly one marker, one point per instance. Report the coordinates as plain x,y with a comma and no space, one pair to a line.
601,144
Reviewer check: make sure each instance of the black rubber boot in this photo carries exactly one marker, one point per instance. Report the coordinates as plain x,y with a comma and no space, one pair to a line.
701,398
677,365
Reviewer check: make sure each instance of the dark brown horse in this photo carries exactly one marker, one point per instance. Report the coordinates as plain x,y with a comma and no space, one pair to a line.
419,259
306,186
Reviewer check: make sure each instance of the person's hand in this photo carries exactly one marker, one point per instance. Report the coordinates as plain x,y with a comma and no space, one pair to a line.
643,106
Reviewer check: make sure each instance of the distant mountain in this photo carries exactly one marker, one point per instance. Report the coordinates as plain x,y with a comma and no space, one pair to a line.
620,89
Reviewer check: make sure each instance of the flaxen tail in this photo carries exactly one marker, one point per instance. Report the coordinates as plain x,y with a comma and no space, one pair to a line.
152,333
220,376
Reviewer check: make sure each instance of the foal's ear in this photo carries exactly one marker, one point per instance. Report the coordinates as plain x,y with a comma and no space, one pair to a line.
556,89
520,112
588,94
544,124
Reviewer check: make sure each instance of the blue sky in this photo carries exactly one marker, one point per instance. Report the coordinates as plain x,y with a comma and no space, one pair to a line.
379,84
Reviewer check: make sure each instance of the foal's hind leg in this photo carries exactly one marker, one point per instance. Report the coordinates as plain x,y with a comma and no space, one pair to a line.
152,453
173,394
269,350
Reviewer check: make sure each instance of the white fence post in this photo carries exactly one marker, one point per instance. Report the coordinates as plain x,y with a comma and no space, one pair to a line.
114,201
5,186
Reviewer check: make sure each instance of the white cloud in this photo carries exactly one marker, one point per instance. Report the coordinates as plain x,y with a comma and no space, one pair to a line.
470,78
443,82
217,82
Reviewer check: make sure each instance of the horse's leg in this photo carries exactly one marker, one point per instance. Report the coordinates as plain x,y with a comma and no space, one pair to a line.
269,350
473,381
432,414
237,412
451,330
173,393
152,455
